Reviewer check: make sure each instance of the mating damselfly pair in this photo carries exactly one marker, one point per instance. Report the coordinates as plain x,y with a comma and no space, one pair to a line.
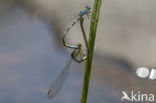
77,55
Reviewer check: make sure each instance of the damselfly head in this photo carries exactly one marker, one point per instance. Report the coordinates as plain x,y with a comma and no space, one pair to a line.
88,7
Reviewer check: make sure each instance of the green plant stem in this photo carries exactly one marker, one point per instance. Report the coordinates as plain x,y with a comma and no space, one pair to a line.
91,41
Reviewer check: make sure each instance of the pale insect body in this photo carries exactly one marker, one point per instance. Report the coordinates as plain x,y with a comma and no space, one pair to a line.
60,80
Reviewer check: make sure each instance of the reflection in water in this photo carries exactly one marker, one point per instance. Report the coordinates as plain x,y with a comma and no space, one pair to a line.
30,62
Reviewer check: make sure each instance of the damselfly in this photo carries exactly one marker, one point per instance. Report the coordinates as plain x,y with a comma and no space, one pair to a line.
77,55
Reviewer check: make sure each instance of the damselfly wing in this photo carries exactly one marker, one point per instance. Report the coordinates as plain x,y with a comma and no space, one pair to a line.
60,80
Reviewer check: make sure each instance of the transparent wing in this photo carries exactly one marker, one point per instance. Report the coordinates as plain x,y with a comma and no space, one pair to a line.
60,80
